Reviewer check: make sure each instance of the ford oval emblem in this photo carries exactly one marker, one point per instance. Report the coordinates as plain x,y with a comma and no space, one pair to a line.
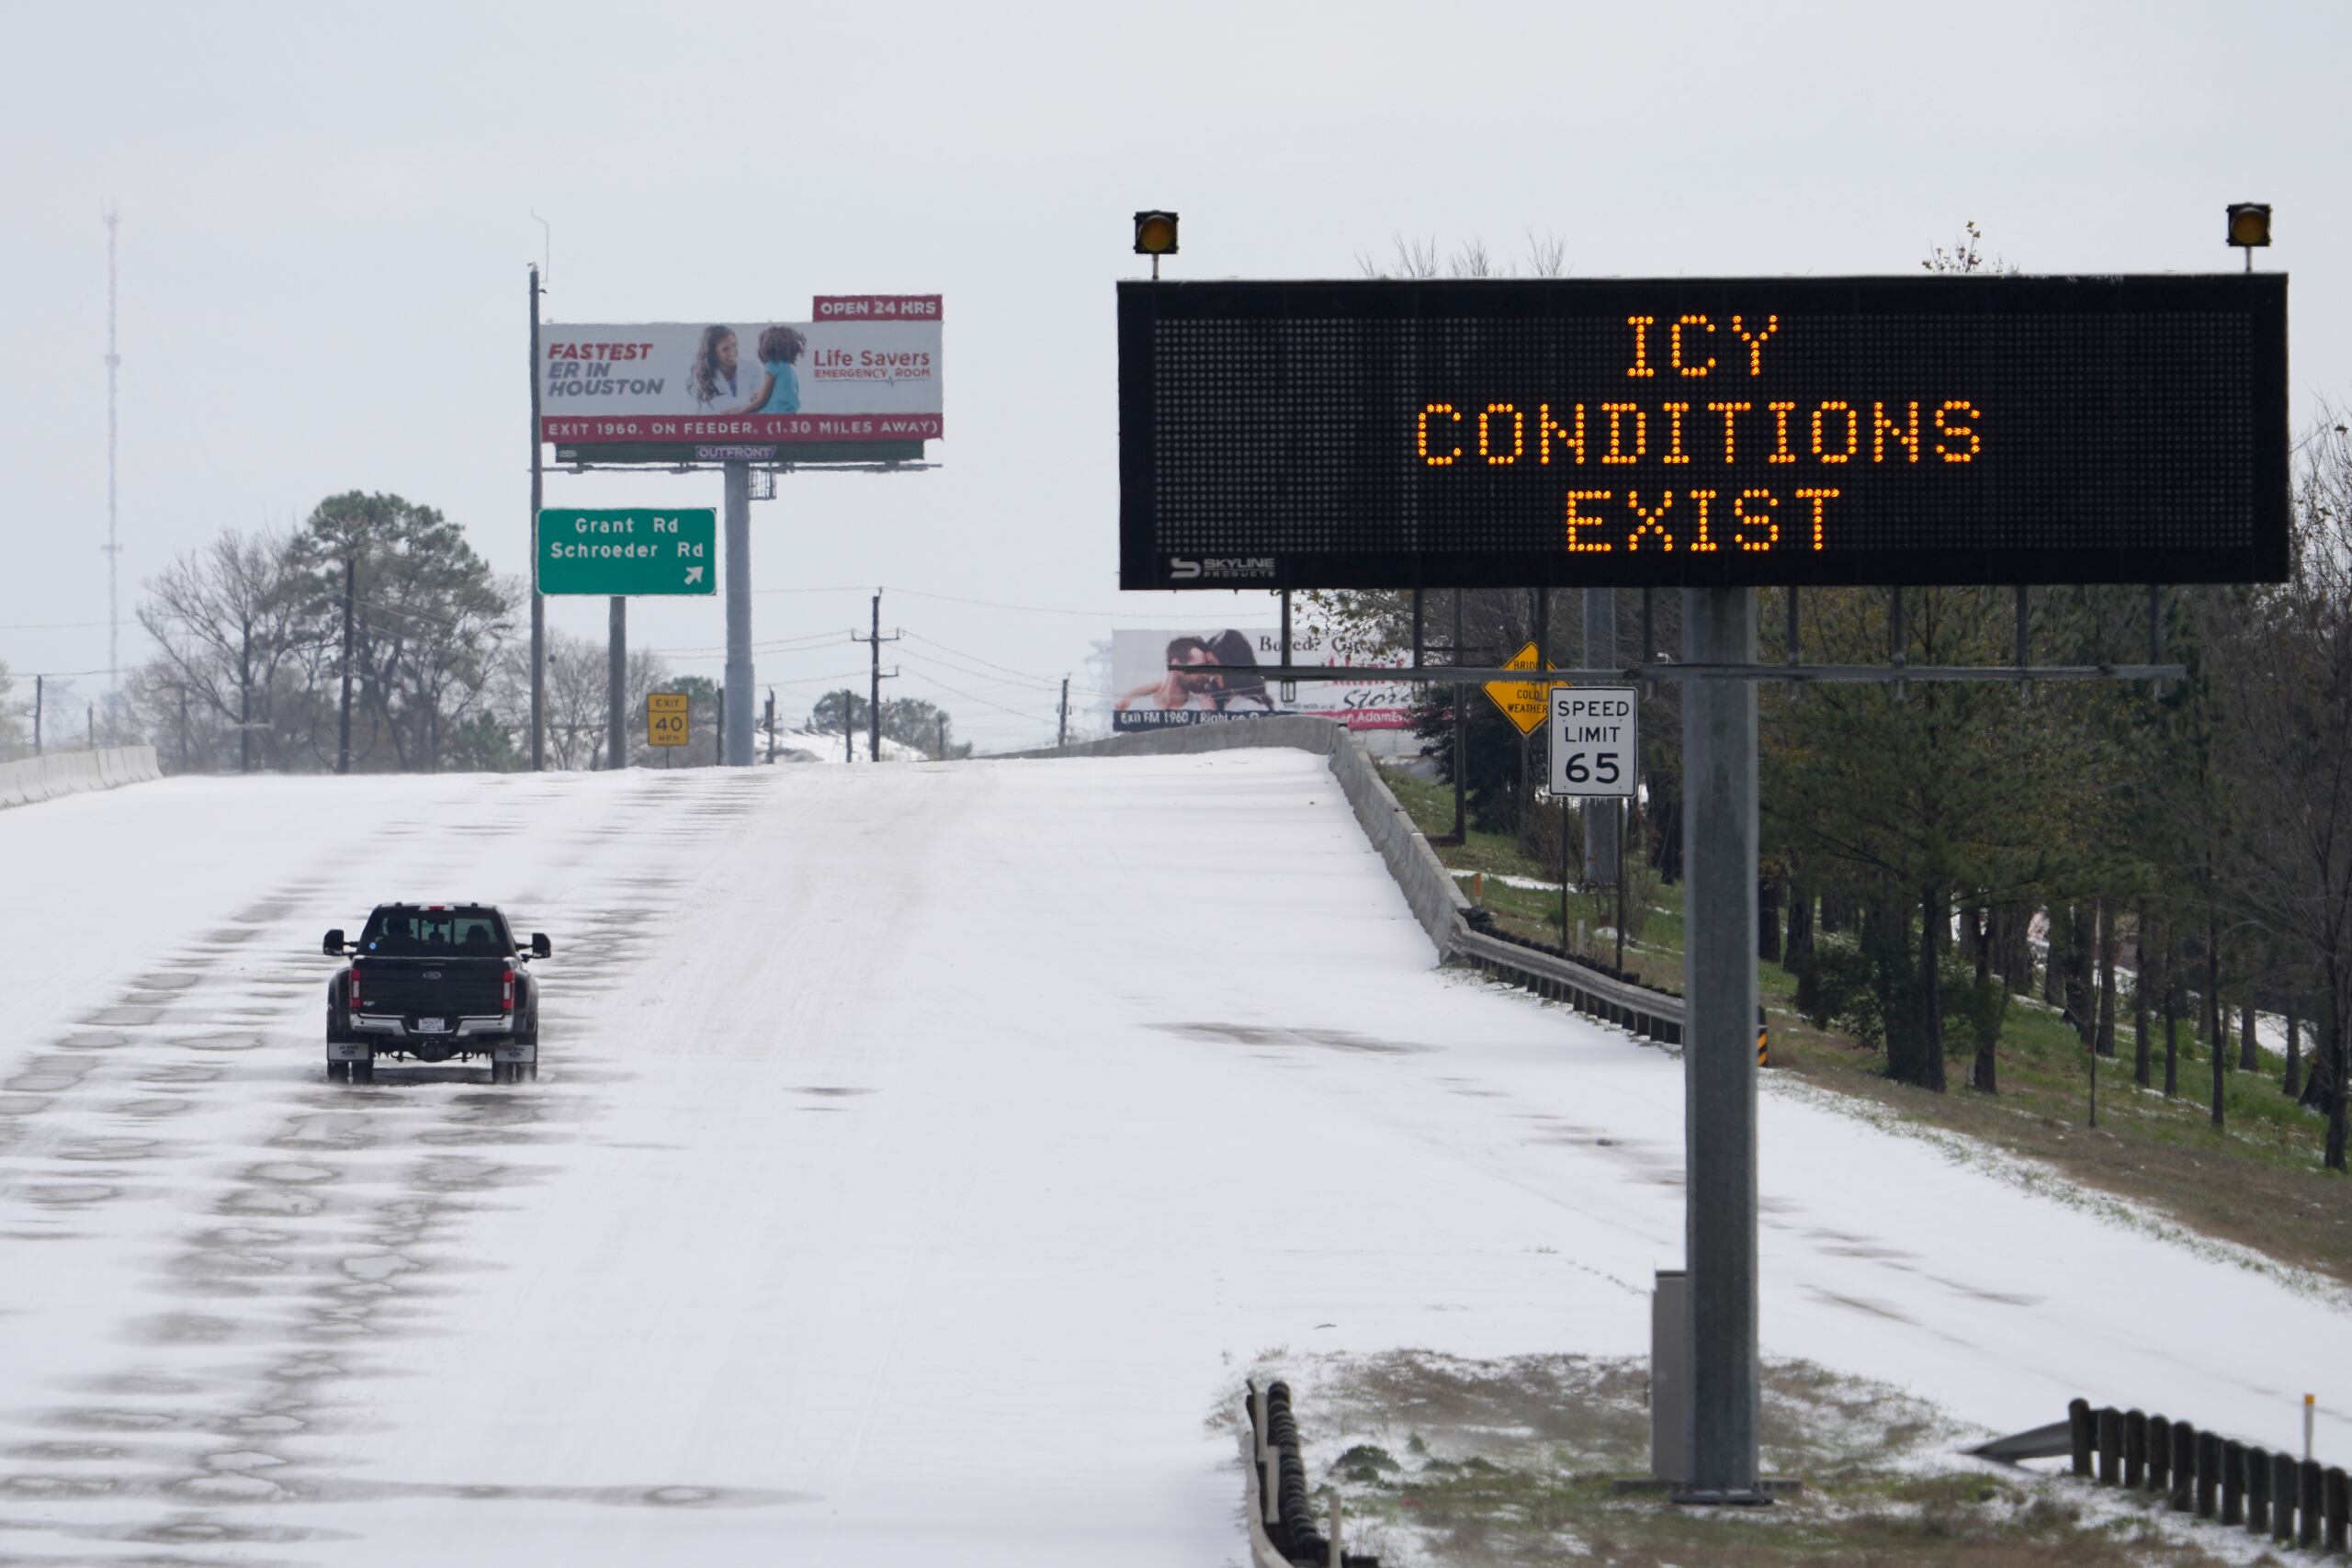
432,974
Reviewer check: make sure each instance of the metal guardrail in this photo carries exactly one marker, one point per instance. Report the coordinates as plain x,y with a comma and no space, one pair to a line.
1453,922
1635,1008
2235,1483
1282,1510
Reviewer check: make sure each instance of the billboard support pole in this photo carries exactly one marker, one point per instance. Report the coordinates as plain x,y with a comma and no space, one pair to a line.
617,684
735,716
1599,815
539,603
1719,832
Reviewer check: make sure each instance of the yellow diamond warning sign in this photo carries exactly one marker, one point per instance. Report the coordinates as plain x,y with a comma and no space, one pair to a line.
1523,702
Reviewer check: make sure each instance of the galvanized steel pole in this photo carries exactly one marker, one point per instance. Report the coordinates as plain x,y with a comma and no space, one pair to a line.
538,603
1719,832
735,723
617,684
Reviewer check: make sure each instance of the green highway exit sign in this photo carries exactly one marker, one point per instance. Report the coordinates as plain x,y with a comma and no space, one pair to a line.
629,550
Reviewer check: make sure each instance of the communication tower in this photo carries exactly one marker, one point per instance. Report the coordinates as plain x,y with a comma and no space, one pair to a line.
113,549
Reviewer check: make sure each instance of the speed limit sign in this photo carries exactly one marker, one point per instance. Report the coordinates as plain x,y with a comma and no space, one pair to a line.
1593,750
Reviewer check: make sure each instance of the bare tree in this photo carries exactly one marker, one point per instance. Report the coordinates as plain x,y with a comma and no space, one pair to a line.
232,626
1547,256
2280,664
12,724
577,694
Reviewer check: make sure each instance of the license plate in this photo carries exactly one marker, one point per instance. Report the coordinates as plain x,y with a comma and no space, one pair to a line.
433,1026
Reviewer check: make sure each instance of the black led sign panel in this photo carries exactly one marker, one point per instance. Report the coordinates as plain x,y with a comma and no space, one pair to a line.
1702,433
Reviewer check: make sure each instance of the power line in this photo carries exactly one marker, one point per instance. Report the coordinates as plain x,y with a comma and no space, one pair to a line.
984,701
782,645
1029,674
1027,609
958,599
982,674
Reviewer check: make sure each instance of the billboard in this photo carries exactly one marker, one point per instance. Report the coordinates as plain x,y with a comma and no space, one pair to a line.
1215,686
1702,433
864,372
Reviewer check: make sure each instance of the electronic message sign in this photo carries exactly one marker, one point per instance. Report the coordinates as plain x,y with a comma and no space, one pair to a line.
1702,433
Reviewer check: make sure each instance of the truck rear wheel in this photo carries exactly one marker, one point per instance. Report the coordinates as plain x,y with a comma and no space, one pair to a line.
338,1072
362,1072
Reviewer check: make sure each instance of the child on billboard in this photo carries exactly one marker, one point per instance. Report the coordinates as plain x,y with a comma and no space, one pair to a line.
780,350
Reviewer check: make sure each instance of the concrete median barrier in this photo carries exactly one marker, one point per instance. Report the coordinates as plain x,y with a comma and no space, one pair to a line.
30,780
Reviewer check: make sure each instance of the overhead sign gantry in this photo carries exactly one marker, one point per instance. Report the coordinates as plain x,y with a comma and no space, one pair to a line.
1713,436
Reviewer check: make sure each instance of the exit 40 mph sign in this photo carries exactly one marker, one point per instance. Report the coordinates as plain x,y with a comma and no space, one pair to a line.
1594,751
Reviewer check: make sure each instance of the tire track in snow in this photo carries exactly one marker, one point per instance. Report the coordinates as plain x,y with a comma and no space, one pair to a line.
310,1227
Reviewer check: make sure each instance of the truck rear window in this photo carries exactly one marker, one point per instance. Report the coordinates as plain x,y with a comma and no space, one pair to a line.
455,932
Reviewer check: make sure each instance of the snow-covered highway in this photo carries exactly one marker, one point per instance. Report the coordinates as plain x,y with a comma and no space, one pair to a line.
919,1156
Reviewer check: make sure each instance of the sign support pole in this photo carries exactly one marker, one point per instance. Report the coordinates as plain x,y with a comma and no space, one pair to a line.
539,603
1599,815
1719,816
617,684
1461,758
735,716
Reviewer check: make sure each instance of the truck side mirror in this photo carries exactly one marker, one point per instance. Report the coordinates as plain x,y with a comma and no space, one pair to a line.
332,945
540,946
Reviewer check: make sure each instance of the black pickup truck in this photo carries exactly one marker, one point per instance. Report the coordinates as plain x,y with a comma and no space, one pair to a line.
433,982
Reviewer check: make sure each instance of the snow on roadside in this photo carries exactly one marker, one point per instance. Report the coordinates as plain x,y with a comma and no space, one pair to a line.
917,1151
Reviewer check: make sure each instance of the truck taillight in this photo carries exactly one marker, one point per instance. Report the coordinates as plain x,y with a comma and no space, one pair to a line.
351,990
506,995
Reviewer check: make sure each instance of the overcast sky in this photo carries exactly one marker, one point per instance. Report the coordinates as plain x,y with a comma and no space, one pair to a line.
327,212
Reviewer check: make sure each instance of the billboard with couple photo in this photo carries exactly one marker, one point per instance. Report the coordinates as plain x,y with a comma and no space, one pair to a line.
866,367
1164,677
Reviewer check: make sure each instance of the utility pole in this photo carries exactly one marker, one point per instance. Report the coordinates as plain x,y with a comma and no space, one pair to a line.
940,751
342,723
539,602
113,549
849,746
1061,726
245,699
874,703
39,702
771,726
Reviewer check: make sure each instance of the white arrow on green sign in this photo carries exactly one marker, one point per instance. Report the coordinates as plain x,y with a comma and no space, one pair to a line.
628,551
